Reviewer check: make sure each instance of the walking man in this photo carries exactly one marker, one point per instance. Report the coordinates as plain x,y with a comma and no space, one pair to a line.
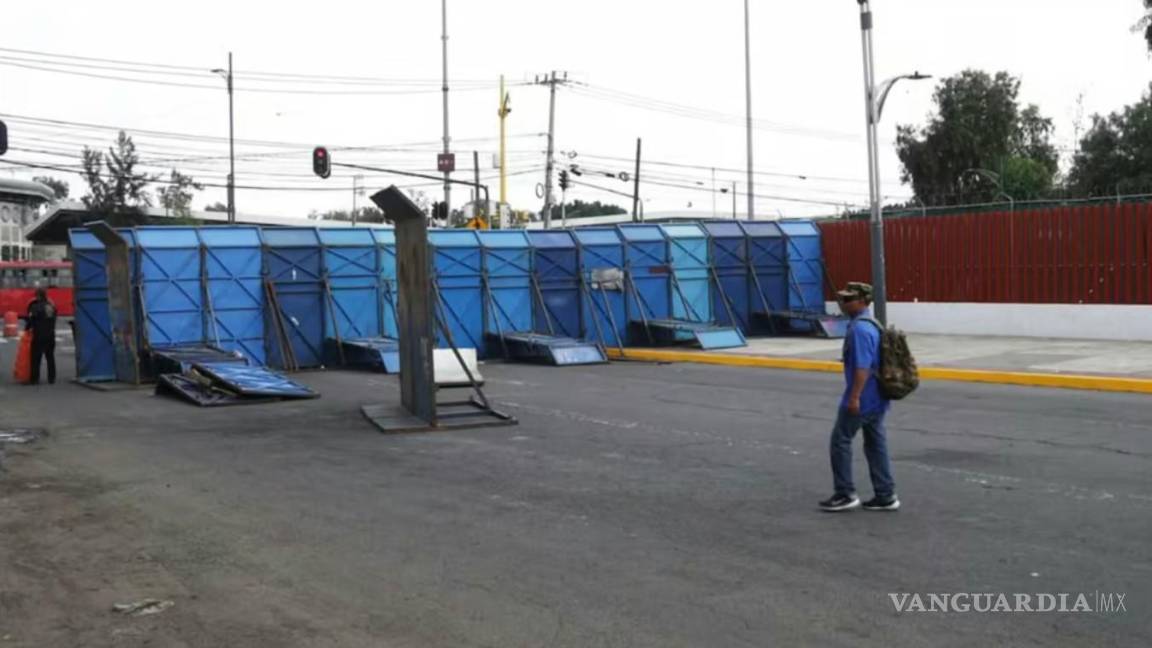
42,322
863,406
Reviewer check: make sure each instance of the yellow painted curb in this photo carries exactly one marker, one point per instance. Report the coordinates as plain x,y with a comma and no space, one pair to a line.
1060,381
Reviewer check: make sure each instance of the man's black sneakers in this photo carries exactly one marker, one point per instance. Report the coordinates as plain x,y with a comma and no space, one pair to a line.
890,503
838,503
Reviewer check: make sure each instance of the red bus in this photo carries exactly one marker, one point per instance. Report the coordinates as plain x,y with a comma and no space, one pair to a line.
20,279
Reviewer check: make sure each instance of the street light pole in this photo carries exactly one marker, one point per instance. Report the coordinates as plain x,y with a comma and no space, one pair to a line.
227,75
447,141
874,97
748,104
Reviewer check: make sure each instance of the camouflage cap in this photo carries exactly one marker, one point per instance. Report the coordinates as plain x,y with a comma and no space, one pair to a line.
856,290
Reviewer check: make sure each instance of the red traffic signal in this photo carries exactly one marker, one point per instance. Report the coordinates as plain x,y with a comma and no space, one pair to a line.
321,162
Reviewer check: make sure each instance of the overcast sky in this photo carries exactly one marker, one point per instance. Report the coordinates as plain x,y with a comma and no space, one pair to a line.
806,69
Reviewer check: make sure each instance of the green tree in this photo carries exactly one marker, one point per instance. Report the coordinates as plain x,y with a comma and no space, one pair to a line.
1115,155
979,145
59,187
114,187
176,197
1145,24
581,209
363,215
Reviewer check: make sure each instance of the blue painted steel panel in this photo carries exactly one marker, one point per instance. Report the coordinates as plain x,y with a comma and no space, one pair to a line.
253,381
172,297
95,355
457,268
556,266
508,272
805,269
294,264
605,313
688,255
728,251
646,257
352,274
768,267
234,290
386,250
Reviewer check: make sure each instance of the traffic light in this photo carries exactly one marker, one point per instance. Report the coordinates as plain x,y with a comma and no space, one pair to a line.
440,211
321,162
3,138
563,180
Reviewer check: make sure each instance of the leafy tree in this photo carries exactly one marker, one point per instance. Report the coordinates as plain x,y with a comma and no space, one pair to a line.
114,186
216,207
581,209
59,187
1145,24
979,145
1115,155
177,196
363,215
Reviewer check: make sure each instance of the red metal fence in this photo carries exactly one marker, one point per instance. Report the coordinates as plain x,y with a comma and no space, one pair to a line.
1099,254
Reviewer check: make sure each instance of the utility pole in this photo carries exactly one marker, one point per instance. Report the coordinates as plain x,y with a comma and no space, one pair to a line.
748,104
505,108
355,192
636,184
447,140
476,201
733,200
551,80
227,75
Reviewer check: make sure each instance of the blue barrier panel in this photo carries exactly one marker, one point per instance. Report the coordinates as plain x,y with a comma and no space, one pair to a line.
805,267
767,266
293,265
386,254
729,254
172,299
688,255
649,295
95,355
353,282
457,267
556,266
234,290
602,273
508,273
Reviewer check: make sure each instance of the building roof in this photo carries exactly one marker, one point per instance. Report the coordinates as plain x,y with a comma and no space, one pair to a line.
25,190
53,228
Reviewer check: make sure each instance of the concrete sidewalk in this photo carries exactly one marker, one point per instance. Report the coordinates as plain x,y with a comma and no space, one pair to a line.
1084,357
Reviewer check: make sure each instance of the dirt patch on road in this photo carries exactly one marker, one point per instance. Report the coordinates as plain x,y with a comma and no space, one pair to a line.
69,552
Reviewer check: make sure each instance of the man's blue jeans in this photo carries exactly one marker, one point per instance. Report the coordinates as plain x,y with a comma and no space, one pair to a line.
875,449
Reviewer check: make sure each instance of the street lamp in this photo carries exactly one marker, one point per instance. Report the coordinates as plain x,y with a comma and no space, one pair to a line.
227,76
874,98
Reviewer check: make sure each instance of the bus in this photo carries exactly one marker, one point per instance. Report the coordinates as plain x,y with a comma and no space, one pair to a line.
20,279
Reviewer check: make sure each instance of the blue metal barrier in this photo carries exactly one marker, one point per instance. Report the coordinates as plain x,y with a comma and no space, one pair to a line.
294,270
95,355
602,283
171,297
729,255
556,264
508,285
457,266
386,252
352,282
648,293
688,256
767,272
234,290
805,271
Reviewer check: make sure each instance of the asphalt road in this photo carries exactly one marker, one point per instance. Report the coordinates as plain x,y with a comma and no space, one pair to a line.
635,505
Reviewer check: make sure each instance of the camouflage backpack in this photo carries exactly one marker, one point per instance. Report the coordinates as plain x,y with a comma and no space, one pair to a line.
898,376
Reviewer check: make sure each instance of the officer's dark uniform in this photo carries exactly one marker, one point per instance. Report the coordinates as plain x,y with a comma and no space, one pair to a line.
42,323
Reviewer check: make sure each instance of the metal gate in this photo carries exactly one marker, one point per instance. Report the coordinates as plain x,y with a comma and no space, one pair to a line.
508,275
351,277
767,267
688,255
602,281
729,253
457,266
649,293
386,262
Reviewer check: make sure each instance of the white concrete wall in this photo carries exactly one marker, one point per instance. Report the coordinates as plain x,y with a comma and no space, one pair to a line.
1077,321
